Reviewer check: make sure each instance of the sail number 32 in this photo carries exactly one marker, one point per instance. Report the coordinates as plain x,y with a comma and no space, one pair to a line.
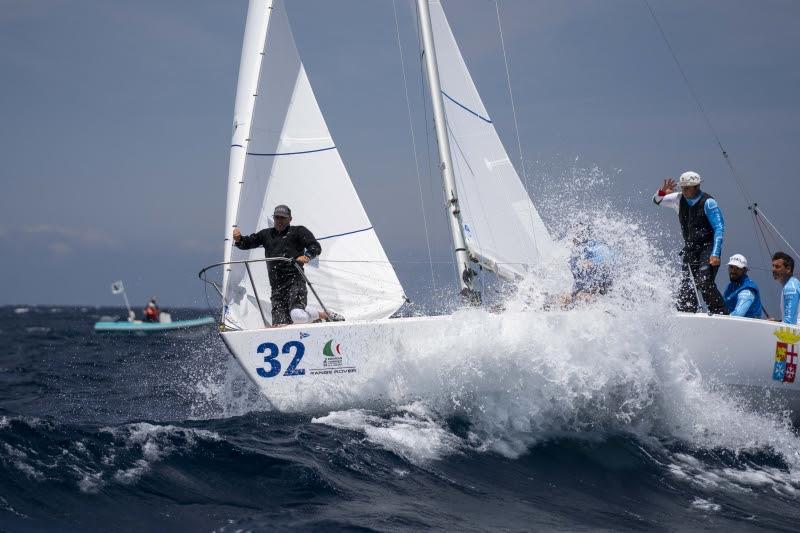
271,349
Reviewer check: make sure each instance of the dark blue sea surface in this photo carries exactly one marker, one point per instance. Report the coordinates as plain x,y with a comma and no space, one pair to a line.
109,432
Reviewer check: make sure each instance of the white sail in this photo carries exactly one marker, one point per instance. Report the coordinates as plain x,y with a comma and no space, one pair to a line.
287,156
501,226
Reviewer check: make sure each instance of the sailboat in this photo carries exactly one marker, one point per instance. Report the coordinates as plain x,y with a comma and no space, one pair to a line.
282,148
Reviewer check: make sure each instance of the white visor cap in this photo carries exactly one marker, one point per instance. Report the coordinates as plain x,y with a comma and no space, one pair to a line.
738,260
689,179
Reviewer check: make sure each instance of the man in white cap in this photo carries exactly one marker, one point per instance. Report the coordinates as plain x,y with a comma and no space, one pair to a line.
741,296
702,227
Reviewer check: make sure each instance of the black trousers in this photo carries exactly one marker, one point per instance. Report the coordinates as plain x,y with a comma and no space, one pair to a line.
695,266
289,292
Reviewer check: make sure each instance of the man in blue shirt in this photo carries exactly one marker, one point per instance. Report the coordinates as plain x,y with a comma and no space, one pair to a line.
591,264
741,297
702,227
782,270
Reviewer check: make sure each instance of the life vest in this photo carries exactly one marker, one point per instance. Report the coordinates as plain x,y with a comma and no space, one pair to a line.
732,293
695,226
151,313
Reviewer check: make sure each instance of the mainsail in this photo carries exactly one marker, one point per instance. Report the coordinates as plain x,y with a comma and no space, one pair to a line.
283,153
501,226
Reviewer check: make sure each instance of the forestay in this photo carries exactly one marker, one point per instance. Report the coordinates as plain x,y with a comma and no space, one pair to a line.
283,153
501,226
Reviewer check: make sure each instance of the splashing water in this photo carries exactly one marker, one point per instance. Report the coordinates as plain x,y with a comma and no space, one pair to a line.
531,373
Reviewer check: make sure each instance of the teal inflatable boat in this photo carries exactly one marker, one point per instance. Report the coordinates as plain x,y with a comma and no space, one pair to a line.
135,326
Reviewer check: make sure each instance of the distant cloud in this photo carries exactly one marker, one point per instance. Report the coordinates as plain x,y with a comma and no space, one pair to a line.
65,238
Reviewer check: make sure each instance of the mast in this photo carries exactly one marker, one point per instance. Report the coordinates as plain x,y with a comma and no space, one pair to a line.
255,34
466,274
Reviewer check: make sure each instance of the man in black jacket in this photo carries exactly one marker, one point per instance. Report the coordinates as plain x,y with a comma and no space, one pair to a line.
289,292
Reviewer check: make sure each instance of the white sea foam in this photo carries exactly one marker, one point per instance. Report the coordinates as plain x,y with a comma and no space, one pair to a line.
705,505
223,390
153,442
412,433
601,368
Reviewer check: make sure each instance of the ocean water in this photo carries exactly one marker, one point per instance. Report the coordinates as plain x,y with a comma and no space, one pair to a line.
165,433
597,422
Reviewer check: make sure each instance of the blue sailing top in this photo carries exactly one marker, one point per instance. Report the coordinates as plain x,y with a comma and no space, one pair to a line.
742,298
710,208
591,266
714,215
790,298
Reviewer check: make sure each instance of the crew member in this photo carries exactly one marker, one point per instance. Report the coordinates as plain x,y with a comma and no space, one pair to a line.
741,295
591,266
782,270
289,292
702,227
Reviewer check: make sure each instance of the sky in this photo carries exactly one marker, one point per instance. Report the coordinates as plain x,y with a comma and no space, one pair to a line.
116,124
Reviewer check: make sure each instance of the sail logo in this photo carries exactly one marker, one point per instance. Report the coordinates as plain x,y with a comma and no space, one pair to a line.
332,353
303,335
785,369
333,363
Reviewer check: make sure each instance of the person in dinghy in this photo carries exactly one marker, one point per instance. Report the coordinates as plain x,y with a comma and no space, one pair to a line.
151,311
289,296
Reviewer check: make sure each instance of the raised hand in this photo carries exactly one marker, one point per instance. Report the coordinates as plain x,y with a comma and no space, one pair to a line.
668,186
237,235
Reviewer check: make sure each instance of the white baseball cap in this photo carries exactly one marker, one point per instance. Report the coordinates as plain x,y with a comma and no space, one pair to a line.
689,179
738,260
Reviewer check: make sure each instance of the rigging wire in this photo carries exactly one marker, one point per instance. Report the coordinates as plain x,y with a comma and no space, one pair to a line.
414,145
699,105
774,229
752,206
516,125
763,244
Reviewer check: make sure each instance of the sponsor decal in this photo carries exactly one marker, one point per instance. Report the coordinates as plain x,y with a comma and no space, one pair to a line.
333,354
785,369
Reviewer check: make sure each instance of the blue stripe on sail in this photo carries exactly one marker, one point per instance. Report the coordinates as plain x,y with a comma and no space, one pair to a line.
343,234
295,153
465,108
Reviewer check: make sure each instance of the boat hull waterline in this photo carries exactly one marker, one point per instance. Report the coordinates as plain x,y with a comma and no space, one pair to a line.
332,364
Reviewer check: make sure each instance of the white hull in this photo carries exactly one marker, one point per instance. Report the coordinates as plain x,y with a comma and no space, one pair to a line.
344,364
